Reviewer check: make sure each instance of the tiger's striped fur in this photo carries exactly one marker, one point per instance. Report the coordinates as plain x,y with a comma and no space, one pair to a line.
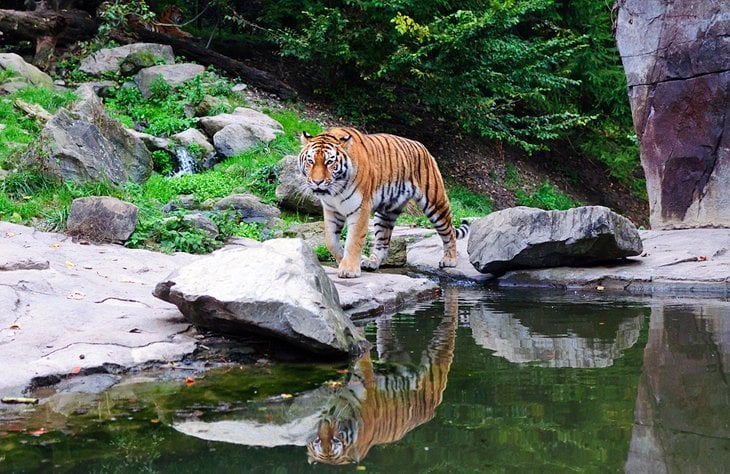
378,408
355,174
168,22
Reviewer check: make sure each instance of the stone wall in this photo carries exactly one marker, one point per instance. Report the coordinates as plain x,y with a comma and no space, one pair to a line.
675,55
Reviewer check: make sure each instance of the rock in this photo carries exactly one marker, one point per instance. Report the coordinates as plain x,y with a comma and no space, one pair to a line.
237,132
261,123
203,222
397,253
174,75
181,201
109,59
94,300
29,73
207,105
277,289
249,207
311,232
137,61
523,237
152,142
102,219
292,192
193,138
85,144
675,59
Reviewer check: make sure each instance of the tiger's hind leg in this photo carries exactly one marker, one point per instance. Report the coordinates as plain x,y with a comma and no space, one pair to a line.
439,213
384,222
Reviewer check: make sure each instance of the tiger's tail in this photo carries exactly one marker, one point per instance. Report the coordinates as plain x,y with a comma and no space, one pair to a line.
463,229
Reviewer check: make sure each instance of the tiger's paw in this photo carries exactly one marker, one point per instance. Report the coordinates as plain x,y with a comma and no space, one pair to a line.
447,262
345,271
369,264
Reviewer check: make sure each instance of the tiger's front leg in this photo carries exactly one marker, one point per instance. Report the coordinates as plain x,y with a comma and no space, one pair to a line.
357,226
333,223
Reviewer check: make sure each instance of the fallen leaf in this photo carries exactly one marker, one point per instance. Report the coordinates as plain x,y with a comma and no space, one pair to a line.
154,421
14,327
189,380
76,370
361,468
70,264
9,235
55,246
342,371
135,330
600,288
286,396
702,258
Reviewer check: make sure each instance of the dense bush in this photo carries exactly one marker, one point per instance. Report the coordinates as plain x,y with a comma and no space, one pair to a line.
494,67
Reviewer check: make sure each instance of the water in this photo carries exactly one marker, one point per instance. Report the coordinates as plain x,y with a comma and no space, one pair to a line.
475,382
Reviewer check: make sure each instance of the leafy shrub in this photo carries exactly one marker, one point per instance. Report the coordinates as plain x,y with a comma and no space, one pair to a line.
495,68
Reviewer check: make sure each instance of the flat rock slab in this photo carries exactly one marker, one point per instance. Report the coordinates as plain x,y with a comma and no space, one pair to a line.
691,261
67,307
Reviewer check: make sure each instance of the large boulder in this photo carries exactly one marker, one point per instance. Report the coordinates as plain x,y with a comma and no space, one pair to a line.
85,144
524,237
173,75
238,131
102,219
108,60
293,193
27,72
276,289
675,58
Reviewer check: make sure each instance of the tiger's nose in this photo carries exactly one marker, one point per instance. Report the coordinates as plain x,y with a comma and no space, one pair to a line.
317,182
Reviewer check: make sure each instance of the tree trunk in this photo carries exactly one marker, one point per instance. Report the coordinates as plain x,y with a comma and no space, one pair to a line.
46,28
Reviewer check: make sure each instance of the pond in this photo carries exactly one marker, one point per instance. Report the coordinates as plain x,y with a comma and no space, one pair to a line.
478,381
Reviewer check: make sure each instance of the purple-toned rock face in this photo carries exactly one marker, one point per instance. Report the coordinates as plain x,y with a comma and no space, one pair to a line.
676,58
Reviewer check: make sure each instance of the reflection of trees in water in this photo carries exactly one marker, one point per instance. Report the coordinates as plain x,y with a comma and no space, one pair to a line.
381,405
682,419
377,403
556,335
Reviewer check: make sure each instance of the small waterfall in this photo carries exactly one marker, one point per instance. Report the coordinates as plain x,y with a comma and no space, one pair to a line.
186,161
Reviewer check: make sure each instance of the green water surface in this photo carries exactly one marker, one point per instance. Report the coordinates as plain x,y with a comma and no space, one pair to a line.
516,381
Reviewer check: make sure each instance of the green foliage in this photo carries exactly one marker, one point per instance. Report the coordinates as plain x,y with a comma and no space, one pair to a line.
323,254
115,14
611,138
164,112
546,197
164,162
493,67
465,203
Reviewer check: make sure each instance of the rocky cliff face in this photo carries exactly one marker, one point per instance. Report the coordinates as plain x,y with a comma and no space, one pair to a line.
675,55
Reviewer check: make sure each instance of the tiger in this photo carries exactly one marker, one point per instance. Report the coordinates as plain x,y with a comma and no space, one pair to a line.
378,408
354,174
168,22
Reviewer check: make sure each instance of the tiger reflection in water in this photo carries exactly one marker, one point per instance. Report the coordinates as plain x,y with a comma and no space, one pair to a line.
378,408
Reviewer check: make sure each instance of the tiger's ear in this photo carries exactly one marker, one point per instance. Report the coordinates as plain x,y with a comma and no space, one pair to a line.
346,141
304,138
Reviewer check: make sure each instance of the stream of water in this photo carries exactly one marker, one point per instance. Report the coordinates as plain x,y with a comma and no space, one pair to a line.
478,381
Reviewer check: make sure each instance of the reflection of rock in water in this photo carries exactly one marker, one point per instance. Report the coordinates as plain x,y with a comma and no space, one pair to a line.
378,408
375,405
683,407
510,338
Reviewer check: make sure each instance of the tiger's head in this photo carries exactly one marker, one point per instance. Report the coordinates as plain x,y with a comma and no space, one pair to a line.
334,442
172,14
324,161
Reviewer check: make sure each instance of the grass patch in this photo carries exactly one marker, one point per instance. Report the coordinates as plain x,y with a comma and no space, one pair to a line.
547,197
